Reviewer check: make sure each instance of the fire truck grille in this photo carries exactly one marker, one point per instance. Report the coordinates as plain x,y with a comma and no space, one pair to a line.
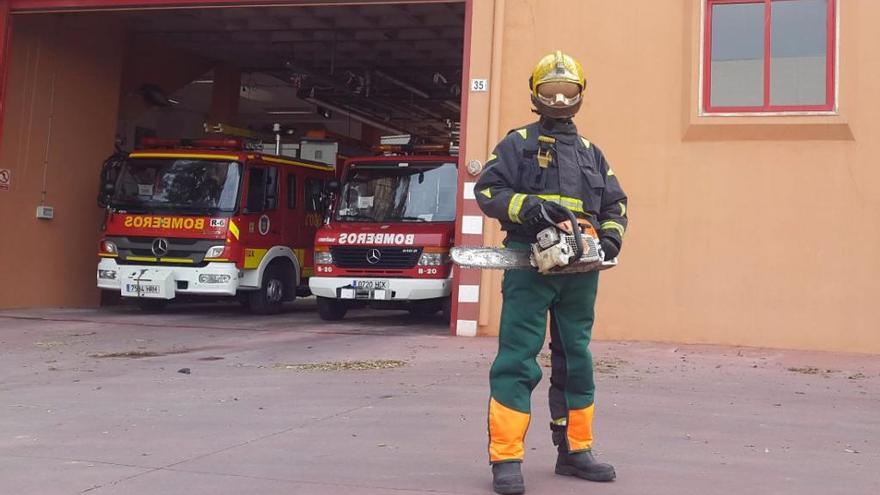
375,257
178,249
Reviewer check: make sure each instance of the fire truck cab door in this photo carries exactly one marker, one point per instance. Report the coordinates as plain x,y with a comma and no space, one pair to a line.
296,233
264,219
314,203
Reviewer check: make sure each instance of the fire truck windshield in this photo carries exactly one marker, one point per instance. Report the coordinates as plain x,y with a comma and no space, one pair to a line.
389,192
195,186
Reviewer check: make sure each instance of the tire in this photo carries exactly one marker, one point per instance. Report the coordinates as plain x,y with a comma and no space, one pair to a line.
424,309
446,311
245,300
269,298
151,305
331,309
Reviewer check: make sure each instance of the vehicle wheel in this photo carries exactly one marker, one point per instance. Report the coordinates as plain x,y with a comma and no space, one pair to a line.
152,305
331,309
446,310
245,300
424,309
268,299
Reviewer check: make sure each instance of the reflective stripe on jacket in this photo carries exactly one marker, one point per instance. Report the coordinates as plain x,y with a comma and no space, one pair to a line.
577,177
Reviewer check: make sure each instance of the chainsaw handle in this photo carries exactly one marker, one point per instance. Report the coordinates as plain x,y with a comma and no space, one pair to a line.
578,235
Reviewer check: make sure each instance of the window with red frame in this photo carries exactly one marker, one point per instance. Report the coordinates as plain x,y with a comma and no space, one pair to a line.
769,56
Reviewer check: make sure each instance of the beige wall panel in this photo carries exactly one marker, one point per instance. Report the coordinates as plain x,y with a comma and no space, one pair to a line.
52,262
746,231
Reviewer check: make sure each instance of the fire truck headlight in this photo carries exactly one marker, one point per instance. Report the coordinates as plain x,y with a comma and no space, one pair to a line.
107,274
215,251
323,258
108,247
432,259
214,278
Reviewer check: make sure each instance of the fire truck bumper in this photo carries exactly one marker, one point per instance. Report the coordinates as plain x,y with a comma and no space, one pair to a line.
164,282
394,289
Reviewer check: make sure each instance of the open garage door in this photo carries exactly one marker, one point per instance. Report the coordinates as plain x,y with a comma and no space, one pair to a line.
105,72
357,71
382,23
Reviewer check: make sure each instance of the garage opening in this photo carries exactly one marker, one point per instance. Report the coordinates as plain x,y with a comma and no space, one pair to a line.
317,83
347,74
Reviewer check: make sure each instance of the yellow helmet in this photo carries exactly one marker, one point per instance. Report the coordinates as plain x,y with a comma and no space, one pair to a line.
557,68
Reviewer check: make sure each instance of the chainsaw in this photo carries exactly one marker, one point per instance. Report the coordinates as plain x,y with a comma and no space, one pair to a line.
555,251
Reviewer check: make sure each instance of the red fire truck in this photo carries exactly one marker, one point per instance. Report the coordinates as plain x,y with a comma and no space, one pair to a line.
387,241
209,217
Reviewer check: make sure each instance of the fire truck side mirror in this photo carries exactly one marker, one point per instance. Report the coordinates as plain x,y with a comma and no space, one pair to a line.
105,193
109,174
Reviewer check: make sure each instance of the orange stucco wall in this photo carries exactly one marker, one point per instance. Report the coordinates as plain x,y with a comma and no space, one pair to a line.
748,231
51,262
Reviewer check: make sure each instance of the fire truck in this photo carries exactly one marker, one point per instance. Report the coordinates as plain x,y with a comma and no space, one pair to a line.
386,242
209,217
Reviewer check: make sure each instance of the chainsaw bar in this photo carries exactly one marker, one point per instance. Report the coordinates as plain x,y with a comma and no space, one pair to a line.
489,258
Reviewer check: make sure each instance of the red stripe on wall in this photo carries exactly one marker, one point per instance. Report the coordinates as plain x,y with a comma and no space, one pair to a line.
469,276
73,5
5,46
470,207
462,153
466,311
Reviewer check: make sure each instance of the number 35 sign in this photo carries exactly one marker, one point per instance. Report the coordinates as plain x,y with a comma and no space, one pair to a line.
479,85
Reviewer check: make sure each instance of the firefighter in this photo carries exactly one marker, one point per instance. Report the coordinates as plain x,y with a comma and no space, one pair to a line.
532,179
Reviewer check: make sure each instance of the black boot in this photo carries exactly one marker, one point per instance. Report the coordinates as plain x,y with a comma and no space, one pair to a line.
507,478
581,464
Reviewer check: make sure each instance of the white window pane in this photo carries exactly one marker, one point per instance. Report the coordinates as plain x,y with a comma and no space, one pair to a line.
737,55
798,69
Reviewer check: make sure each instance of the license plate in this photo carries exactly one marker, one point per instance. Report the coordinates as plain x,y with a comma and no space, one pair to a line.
142,290
370,284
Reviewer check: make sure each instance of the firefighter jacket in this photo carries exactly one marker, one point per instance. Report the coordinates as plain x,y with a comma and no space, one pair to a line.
549,161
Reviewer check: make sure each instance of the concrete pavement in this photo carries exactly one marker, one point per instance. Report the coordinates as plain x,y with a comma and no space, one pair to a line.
93,401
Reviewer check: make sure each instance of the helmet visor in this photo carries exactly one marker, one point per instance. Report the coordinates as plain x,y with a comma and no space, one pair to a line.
559,94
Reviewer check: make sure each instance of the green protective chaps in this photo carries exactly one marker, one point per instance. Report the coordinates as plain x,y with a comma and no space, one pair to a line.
515,372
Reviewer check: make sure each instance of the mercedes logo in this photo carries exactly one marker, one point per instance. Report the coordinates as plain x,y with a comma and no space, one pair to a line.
373,256
160,247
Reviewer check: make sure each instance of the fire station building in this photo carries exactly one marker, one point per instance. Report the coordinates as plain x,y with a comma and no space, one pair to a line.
743,131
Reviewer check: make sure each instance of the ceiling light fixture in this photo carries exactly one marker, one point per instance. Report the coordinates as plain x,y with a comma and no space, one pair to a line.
290,112
409,87
452,105
354,116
